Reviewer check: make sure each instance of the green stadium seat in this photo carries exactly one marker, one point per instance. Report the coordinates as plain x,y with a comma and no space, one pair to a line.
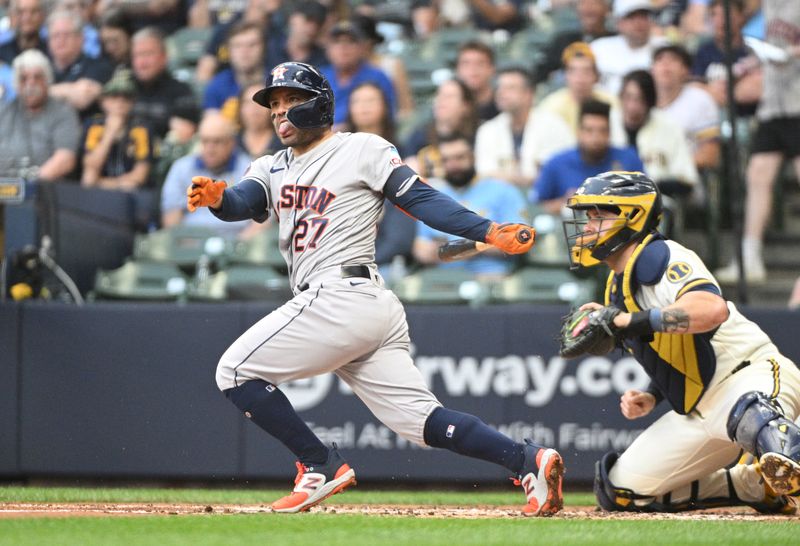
186,45
180,245
242,283
550,249
543,285
526,47
441,286
145,281
443,44
260,250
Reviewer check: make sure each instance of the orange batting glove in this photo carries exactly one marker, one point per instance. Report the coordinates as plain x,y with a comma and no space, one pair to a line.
511,238
204,192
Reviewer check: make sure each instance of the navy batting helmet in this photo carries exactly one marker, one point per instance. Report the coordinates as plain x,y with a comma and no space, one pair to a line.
634,198
315,112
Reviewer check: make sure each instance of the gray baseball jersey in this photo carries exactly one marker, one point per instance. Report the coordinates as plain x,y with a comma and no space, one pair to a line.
327,202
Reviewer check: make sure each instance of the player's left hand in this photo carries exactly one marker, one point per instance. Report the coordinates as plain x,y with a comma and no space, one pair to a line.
511,238
635,403
204,192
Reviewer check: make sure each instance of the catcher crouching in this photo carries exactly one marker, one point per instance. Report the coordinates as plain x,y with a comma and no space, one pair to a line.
729,389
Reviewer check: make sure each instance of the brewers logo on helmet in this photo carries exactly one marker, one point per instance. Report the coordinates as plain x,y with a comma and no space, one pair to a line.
632,196
315,112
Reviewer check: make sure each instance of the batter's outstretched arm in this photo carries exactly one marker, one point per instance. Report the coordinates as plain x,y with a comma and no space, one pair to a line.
407,191
244,201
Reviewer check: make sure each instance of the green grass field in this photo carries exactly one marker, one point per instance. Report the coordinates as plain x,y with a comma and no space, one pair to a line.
357,530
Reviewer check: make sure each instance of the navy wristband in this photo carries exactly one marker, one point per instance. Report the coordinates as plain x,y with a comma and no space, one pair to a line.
639,325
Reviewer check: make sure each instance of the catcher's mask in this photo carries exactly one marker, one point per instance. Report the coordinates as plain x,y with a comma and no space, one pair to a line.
631,196
317,111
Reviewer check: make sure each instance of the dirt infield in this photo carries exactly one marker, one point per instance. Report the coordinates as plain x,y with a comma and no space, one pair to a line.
61,510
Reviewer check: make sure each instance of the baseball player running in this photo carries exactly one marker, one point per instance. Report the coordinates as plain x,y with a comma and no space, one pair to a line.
326,191
729,387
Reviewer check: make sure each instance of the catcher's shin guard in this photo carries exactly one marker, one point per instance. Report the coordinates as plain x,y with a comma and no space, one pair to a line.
613,498
756,424
610,497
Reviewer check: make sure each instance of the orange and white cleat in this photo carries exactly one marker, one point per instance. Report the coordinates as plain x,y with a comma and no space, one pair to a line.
541,479
316,483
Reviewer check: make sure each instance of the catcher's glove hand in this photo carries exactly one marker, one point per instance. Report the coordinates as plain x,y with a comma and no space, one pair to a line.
511,238
203,192
588,331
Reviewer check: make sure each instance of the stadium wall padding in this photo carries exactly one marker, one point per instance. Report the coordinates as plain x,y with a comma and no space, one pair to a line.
127,390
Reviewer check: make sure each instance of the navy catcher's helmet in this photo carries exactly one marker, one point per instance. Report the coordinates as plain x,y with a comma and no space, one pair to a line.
315,112
631,195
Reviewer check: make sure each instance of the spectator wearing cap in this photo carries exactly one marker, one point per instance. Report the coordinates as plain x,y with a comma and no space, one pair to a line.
564,172
513,145
26,18
78,79
157,92
688,105
348,53
246,50
592,16
38,134
580,72
117,150
219,158
631,49
660,141
475,66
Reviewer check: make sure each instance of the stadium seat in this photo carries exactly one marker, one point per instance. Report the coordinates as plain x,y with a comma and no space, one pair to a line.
180,245
146,281
260,250
543,285
186,46
526,47
443,44
550,249
242,283
441,286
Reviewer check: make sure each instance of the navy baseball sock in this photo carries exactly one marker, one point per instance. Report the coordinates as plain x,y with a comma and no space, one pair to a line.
265,405
466,434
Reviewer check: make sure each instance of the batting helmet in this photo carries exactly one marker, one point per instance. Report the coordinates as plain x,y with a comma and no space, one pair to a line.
634,198
315,112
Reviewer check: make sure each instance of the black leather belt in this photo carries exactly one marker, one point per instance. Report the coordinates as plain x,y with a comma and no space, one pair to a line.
348,272
355,271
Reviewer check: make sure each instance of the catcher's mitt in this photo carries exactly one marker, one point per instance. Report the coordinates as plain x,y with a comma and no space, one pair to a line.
588,331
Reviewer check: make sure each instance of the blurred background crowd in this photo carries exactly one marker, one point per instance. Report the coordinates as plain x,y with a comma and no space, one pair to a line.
506,105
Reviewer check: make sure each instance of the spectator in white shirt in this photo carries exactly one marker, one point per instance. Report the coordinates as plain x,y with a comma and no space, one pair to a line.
513,145
631,49
690,106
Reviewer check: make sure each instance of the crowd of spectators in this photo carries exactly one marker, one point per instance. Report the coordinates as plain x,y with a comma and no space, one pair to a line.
87,95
